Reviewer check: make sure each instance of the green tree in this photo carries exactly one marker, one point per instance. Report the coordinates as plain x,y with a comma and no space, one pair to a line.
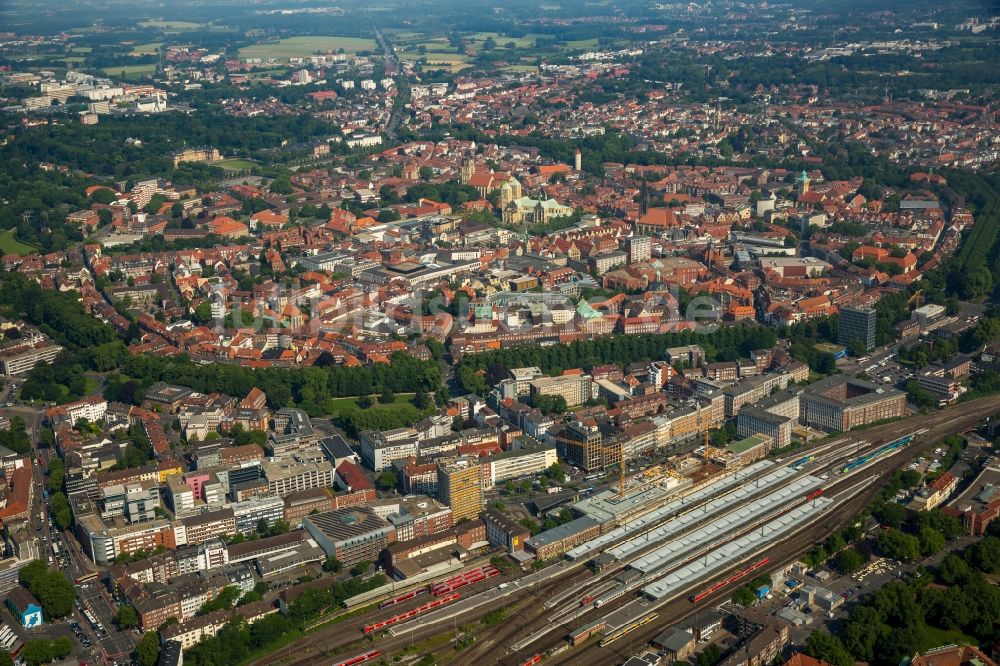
52,589
898,545
743,596
863,632
710,656
387,397
891,514
985,555
931,541
127,617
387,481
848,561
59,508
360,568
421,400
250,597
56,472
147,652
828,648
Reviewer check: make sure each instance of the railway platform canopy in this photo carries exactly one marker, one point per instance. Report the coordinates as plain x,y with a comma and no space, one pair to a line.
672,507
735,552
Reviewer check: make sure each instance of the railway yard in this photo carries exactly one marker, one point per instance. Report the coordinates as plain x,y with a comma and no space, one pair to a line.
670,554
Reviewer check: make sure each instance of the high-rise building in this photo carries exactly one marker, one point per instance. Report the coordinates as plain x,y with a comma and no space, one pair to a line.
857,324
460,486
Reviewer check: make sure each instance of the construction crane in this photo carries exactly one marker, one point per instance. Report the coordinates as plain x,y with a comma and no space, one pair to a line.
916,299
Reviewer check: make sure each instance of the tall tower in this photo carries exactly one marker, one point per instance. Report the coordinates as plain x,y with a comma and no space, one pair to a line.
468,169
578,160
515,189
803,182
506,195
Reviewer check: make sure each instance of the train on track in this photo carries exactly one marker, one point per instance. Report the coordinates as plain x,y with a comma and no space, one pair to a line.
465,578
406,596
718,585
802,461
360,659
444,587
627,629
892,446
402,617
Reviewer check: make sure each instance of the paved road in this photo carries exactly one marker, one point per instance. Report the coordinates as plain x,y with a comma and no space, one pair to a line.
392,67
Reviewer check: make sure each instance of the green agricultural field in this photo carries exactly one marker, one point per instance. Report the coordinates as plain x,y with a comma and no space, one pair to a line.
131,71
10,245
520,42
453,61
146,49
82,49
170,25
399,36
300,47
581,44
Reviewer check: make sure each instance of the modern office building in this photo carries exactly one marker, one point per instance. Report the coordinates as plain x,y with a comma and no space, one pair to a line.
460,487
351,535
857,324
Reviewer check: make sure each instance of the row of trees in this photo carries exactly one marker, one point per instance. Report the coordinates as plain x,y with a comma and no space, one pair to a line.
52,589
620,350
237,640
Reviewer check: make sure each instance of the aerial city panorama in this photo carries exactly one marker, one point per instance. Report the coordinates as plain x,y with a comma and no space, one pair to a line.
466,332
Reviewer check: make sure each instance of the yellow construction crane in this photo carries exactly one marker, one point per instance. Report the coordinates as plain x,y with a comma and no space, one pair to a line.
916,299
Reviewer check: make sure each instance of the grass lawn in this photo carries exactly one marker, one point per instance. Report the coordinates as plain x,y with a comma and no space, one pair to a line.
170,25
10,245
294,47
131,71
521,68
340,404
235,164
82,49
932,637
581,44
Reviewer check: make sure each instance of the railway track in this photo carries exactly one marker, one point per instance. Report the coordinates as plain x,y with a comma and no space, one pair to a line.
328,645
960,418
